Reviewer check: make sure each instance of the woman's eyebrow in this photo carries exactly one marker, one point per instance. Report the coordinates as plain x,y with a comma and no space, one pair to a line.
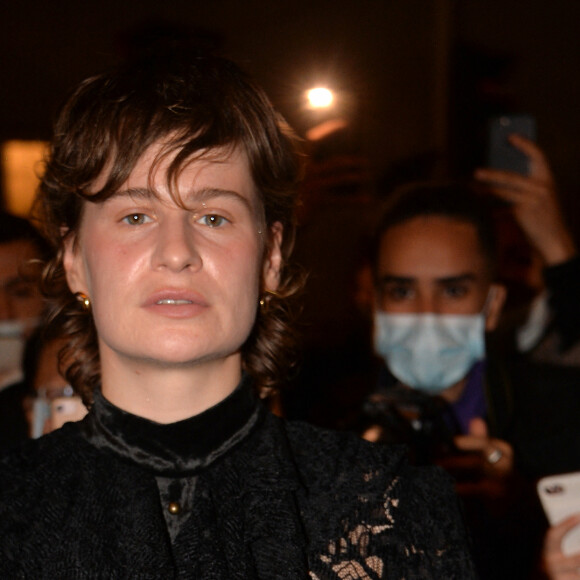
136,192
210,193
195,196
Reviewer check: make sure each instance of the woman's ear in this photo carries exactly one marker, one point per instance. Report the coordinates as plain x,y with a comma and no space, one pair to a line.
273,258
496,299
72,262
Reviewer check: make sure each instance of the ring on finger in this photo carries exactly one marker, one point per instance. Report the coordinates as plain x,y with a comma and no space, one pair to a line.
494,456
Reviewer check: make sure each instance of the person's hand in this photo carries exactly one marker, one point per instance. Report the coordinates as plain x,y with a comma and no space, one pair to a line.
534,202
490,458
557,565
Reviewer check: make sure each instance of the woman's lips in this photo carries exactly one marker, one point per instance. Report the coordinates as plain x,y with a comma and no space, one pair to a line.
176,303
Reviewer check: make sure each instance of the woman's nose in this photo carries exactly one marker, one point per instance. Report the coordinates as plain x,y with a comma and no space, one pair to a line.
176,249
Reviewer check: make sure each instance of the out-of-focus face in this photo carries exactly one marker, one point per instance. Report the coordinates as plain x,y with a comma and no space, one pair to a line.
48,379
175,286
434,264
55,402
19,299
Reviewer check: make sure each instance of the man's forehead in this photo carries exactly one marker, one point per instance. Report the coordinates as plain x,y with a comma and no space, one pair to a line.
433,247
14,253
18,249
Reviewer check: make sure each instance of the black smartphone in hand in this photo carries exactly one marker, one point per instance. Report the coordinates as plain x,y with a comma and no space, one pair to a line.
501,154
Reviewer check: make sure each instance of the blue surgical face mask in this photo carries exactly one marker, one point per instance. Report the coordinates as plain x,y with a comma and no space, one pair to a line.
429,352
12,341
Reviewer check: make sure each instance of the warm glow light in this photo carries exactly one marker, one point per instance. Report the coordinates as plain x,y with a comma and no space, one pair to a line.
21,165
320,98
325,129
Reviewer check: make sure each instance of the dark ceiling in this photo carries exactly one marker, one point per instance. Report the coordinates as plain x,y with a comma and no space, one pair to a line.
394,60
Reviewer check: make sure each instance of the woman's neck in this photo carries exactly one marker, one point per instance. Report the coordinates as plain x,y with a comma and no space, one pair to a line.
167,394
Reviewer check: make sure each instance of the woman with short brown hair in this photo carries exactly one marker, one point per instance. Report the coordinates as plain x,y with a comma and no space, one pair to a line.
169,196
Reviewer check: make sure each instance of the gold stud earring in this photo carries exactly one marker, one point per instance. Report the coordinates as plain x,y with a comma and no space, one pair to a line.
84,300
265,299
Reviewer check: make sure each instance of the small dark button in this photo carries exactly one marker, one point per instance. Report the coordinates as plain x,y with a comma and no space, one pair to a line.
174,508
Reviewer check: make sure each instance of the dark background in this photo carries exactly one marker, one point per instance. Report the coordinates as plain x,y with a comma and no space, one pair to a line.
419,76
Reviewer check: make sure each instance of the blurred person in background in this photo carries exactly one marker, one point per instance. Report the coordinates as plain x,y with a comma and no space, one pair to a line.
338,206
454,401
50,400
21,306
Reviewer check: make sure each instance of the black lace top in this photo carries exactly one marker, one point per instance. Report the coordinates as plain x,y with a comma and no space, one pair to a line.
232,494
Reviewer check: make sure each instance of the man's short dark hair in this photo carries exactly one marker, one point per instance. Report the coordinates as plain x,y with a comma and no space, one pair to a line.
454,201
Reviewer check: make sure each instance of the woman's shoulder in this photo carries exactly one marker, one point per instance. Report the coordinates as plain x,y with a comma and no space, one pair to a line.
33,464
324,453
32,450
324,460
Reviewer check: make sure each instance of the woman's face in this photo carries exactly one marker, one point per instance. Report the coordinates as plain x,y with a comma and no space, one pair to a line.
172,285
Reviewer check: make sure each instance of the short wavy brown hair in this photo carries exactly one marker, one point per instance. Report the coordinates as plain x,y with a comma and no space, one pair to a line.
195,104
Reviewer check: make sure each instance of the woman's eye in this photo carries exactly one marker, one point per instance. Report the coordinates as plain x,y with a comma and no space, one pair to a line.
136,219
213,220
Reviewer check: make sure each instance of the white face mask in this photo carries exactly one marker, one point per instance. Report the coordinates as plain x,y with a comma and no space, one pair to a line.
12,341
40,415
429,352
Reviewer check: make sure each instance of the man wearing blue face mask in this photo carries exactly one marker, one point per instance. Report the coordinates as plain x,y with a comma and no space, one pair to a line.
435,299
442,392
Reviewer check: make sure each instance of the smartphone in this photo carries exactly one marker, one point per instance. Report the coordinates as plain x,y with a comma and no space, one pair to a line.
500,153
560,498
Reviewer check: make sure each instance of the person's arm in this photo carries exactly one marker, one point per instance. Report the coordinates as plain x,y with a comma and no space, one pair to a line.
555,564
536,208
534,202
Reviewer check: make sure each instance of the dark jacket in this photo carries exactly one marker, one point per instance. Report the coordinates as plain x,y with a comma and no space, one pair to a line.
13,423
288,501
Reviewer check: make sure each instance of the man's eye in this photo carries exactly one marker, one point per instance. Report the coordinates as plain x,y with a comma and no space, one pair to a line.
456,291
212,220
398,292
136,219
20,290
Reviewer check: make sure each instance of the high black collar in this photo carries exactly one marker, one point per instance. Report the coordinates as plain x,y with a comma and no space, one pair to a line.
174,449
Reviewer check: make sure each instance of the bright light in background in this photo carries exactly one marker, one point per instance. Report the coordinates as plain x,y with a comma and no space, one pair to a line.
319,98
21,164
